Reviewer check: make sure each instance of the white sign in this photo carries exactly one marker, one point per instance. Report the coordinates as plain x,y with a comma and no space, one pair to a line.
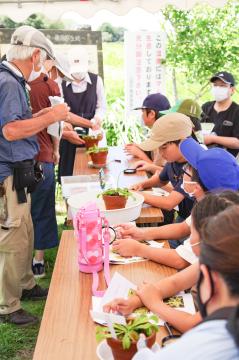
144,72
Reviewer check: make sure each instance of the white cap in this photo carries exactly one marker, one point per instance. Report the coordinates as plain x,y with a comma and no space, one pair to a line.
78,59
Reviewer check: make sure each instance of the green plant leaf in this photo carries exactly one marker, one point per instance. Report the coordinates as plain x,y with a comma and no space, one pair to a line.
126,342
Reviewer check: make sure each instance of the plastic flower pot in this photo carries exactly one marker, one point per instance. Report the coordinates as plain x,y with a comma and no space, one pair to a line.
121,354
113,202
99,158
91,141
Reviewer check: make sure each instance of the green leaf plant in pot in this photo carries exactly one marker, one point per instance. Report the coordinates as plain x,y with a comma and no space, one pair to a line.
98,155
91,140
115,198
125,346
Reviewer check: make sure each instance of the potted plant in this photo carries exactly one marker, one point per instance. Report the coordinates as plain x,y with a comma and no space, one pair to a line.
98,155
91,140
125,345
115,198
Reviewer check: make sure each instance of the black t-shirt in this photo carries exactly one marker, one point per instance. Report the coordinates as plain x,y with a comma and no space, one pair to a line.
226,123
173,172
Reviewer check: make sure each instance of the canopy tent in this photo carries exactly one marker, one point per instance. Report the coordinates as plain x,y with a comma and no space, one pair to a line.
19,10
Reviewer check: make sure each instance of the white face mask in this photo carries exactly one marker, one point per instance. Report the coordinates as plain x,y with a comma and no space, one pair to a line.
79,75
34,74
58,80
190,194
220,93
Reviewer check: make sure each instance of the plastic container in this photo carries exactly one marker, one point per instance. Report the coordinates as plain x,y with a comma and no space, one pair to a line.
130,213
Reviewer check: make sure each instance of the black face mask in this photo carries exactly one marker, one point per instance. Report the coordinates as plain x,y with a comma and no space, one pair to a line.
202,307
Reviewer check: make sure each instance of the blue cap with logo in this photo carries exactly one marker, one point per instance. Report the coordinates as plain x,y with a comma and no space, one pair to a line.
157,102
216,167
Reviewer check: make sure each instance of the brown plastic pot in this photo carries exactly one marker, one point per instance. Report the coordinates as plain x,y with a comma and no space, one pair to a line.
99,158
91,142
120,354
113,202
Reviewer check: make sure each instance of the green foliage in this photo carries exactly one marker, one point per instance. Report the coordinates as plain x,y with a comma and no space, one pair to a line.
112,33
96,150
119,129
38,21
203,40
131,331
116,192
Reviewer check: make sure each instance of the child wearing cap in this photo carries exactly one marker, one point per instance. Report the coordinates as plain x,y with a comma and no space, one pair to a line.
202,175
152,296
187,107
151,106
166,134
223,113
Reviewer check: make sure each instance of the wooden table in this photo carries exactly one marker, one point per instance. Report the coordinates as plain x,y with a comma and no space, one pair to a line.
117,162
67,331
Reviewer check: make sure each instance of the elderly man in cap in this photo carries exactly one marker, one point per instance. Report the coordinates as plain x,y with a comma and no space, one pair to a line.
86,98
223,113
18,176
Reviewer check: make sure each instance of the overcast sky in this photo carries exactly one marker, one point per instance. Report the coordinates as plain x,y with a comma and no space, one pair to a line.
136,19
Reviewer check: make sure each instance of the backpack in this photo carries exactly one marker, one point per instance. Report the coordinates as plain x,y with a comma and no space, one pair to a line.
93,238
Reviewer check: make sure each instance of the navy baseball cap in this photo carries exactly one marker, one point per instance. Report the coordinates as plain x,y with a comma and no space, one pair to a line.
216,167
157,102
225,76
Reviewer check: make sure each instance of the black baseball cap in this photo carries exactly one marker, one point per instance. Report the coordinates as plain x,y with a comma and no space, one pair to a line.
157,102
225,76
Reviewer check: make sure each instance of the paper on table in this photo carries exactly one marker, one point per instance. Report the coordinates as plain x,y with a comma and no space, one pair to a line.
56,128
120,287
120,260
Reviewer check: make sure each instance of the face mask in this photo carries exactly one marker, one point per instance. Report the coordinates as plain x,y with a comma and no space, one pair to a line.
58,80
220,93
79,75
202,307
191,194
34,74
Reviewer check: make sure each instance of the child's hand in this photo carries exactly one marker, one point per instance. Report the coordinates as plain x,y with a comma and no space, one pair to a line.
137,187
126,247
130,230
123,306
133,149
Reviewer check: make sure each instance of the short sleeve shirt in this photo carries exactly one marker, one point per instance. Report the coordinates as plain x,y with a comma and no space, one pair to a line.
209,340
13,107
226,123
173,172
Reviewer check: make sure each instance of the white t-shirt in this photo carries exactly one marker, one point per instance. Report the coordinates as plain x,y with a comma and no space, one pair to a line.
185,250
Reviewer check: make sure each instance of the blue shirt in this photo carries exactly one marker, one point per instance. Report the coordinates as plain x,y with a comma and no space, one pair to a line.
13,107
209,341
173,172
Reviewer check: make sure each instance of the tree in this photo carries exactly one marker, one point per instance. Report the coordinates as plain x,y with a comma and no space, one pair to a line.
38,21
203,40
112,33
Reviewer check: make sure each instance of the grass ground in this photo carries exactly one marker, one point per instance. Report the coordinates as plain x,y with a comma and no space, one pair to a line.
18,343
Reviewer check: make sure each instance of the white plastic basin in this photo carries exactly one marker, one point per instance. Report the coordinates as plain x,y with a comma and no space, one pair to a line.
130,213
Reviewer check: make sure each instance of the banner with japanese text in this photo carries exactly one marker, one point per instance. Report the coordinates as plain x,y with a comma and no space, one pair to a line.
144,72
